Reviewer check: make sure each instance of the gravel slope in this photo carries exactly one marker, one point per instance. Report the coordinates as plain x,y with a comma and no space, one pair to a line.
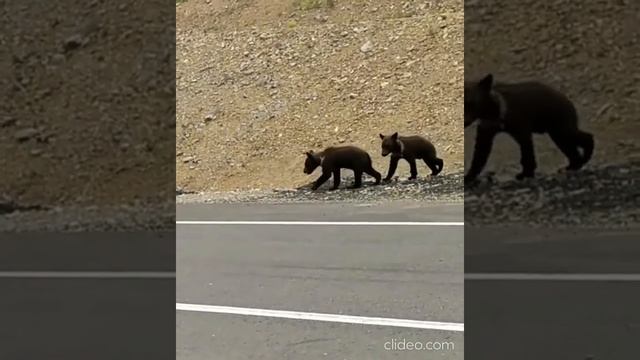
61,147
261,82
136,217
591,51
445,188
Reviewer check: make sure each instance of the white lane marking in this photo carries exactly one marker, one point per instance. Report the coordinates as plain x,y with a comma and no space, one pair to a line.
551,277
336,318
326,223
88,274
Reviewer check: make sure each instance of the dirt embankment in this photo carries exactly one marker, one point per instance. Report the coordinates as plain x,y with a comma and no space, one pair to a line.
260,82
86,115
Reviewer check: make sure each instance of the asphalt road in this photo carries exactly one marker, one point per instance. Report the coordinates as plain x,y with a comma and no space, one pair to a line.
532,320
87,296
553,316
102,319
392,211
576,250
406,272
88,251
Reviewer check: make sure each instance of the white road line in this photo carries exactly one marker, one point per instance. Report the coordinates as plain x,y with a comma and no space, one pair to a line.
87,274
551,277
325,223
336,318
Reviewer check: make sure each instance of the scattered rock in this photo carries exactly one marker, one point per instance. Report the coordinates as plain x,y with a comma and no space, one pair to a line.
25,134
36,152
8,206
321,18
140,216
445,187
74,42
57,59
181,191
325,68
367,47
605,197
8,121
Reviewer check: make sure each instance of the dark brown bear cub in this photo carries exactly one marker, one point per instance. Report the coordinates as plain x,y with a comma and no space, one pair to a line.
521,110
410,148
335,158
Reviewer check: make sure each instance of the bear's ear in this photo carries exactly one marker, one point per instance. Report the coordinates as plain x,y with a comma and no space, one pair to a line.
381,136
309,153
486,83
394,136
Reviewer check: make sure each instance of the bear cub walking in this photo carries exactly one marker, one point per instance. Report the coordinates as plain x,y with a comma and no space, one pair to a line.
335,158
521,110
410,148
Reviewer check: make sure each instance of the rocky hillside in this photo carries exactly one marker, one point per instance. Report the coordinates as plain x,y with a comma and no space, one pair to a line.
591,51
588,49
259,82
60,146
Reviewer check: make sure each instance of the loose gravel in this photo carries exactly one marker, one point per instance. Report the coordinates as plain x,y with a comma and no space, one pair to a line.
604,197
440,188
140,217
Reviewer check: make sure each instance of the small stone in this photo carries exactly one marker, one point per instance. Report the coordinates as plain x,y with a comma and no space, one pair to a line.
8,121
74,42
58,59
25,134
367,47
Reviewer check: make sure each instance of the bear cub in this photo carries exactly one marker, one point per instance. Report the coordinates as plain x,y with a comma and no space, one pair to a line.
335,158
521,110
410,148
